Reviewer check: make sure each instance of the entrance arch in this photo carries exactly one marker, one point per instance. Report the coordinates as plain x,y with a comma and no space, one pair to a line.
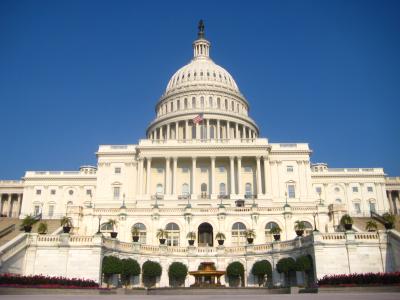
205,235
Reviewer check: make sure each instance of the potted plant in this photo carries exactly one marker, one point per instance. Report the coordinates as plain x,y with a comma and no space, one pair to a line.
299,227
66,223
389,220
347,222
220,237
371,226
135,233
162,235
250,235
42,229
112,223
27,223
191,236
276,232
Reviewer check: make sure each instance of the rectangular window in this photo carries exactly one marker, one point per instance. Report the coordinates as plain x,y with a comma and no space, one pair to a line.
370,189
38,192
291,191
203,169
355,189
372,207
53,192
318,190
289,169
51,210
160,170
36,210
357,208
117,170
221,169
185,170
89,192
116,192
247,168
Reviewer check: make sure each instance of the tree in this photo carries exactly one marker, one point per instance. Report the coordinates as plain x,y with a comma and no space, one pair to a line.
111,265
177,273
150,271
304,263
286,266
235,271
260,269
129,267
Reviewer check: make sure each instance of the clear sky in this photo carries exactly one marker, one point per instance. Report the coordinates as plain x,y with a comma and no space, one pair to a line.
76,74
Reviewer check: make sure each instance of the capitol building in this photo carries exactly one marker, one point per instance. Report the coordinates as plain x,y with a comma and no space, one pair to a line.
203,170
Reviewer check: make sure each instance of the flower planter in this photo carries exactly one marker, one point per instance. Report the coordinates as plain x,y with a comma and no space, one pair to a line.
388,225
135,239
348,226
28,228
299,232
191,242
66,229
221,242
162,241
114,234
277,237
250,240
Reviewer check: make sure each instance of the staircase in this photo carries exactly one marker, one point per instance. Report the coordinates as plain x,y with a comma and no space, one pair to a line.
361,222
10,228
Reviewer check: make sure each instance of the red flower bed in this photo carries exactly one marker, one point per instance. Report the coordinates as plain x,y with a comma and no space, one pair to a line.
13,280
360,279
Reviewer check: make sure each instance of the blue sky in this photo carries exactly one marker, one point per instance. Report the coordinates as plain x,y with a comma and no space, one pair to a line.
76,74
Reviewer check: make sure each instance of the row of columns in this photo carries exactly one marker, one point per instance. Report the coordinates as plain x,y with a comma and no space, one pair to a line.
394,201
10,205
171,179
221,130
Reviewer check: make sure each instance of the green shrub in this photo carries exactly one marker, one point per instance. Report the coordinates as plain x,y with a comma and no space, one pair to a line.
260,269
346,219
129,267
42,229
177,273
111,265
150,271
304,263
285,265
235,269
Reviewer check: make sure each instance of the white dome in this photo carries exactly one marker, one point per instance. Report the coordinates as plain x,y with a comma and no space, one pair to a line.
201,71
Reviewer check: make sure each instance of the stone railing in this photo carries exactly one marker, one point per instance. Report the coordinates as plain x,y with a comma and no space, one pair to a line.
11,248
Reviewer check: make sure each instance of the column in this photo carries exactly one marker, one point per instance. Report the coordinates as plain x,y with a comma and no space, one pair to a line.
197,131
389,197
148,172
228,131
177,130
259,184
218,130
239,175
232,172
213,188
194,188
168,131
140,176
9,205
186,130
236,130
267,188
207,125
167,176
18,210
175,178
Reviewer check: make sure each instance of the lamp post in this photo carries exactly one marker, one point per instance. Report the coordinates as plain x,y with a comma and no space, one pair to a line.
315,224
98,230
320,200
123,201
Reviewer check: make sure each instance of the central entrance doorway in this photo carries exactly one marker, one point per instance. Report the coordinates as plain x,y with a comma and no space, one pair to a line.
205,235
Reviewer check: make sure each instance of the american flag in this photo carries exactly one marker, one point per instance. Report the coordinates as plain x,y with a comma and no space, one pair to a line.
198,119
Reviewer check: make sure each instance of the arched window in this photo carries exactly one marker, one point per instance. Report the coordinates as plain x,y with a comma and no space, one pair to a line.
178,104
210,102
193,102
159,189
142,232
268,227
173,234
372,206
218,102
202,102
185,103
226,104
185,189
222,189
308,228
238,234
232,106
248,190
106,227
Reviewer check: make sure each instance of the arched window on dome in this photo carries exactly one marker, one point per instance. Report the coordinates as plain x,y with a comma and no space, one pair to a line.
173,234
185,103
202,102
219,102
238,234
178,104
232,106
237,108
142,232
226,104
210,102
193,102
171,106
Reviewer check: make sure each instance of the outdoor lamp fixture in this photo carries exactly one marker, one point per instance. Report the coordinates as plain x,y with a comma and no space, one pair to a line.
123,201
315,224
99,217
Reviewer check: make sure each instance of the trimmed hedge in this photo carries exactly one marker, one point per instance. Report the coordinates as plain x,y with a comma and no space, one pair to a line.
261,268
235,269
129,267
151,269
304,263
111,265
361,279
177,273
285,265
36,280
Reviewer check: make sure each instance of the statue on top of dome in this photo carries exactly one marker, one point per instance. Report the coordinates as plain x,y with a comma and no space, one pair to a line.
201,29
